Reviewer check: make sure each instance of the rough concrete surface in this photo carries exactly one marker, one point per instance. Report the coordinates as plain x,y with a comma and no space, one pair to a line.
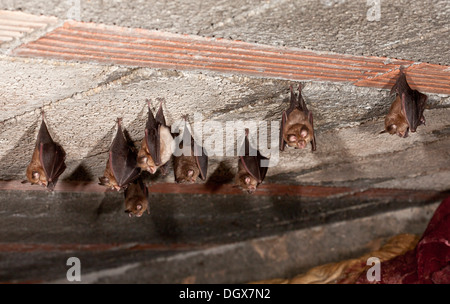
219,238
406,29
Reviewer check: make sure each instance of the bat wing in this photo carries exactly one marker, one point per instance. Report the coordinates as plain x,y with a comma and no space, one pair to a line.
123,160
304,108
294,104
143,187
200,156
43,135
313,140
283,123
52,158
297,102
202,160
152,137
401,85
413,106
262,170
252,164
51,155
198,152
160,116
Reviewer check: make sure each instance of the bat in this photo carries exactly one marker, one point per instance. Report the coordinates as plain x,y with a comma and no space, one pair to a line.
297,128
406,112
250,172
121,167
188,167
136,198
156,147
47,162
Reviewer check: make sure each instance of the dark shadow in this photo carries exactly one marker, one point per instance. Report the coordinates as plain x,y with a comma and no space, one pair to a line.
278,112
162,212
110,204
379,109
81,173
135,130
24,146
129,140
222,175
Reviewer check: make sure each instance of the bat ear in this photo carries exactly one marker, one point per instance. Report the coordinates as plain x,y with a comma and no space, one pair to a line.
190,173
247,180
304,132
139,207
103,180
292,138
142,160
391,129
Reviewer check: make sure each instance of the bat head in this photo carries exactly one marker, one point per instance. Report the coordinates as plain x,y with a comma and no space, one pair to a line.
396,124
399,129
144,159
247,183
136,206
146,163
109,183
36,175
298,136
188,175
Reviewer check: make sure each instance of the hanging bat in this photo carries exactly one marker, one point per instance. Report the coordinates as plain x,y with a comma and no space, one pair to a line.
406,112
156,147
121,165
297,128
136,198
250,172
188,167
47,162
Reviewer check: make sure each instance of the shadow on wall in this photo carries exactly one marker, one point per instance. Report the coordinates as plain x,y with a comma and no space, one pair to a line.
24,146
97,155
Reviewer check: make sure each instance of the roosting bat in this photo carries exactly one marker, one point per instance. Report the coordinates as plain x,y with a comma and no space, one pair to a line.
121,167
297,127
406,112
47,162
156,147
250,172
136,198
188,167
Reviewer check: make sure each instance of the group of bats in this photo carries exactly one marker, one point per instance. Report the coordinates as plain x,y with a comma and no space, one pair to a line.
124,165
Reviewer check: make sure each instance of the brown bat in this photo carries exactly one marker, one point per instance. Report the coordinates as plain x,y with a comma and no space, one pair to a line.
406,112
188,167
156,147
47,162
297,128
250,172
121,166
136,198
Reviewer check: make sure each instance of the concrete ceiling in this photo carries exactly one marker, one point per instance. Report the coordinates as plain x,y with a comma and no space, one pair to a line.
357,179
